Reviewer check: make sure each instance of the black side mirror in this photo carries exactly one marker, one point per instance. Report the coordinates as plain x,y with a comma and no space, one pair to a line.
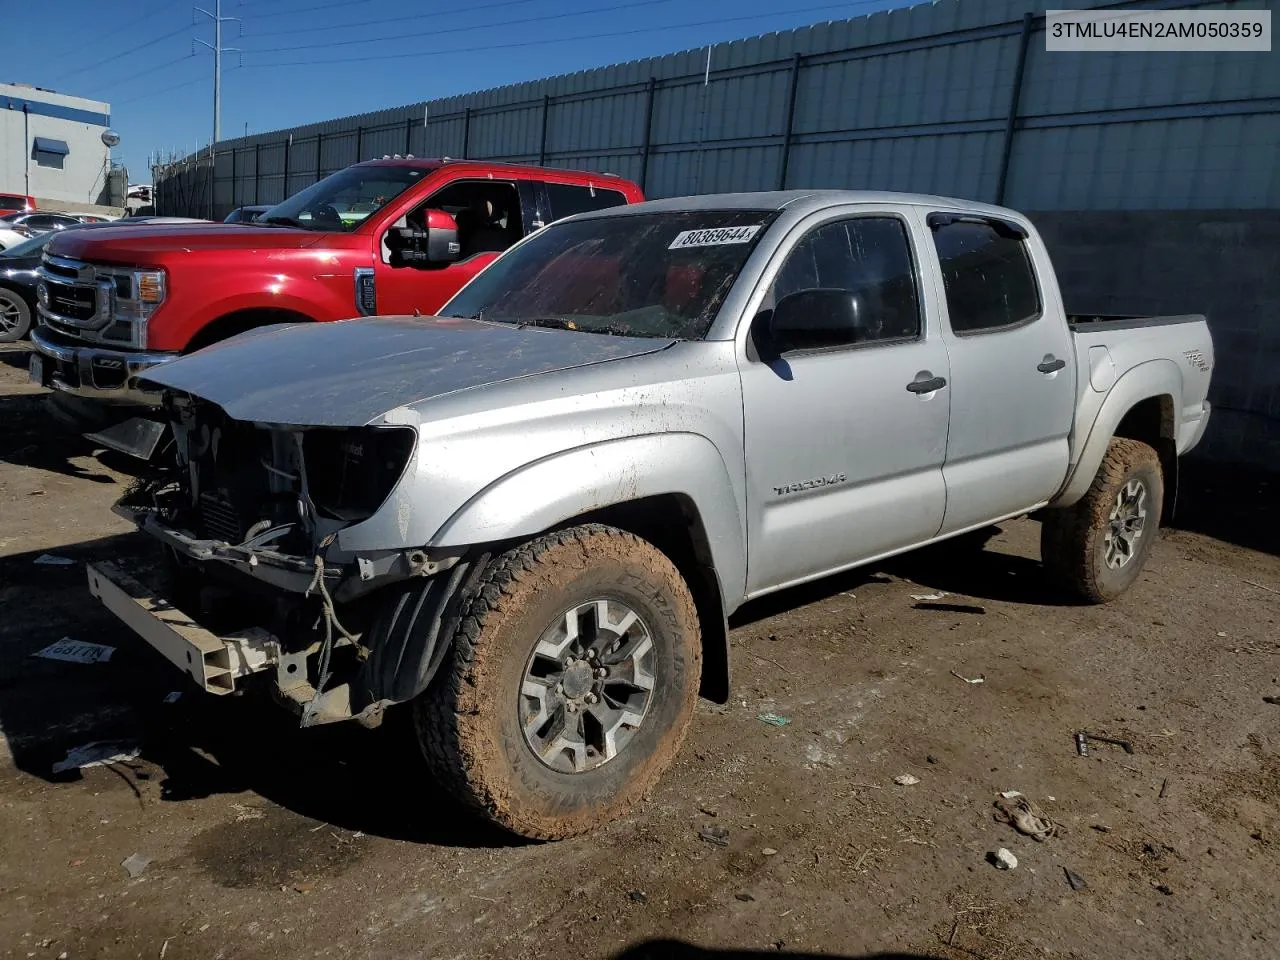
434,244
813,319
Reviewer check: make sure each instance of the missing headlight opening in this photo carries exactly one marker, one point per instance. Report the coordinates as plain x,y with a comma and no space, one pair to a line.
250,516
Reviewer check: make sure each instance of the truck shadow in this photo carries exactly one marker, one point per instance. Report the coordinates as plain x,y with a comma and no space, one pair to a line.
199,745
33,438
679,950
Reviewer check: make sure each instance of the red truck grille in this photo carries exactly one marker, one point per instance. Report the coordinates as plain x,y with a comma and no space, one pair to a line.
72,301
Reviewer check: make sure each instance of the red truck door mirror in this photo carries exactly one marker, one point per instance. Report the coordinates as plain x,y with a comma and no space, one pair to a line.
432,244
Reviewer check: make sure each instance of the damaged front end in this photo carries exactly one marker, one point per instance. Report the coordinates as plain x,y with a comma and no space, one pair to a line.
249,516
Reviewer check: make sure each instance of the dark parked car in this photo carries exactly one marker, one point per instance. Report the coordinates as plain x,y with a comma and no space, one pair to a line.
18,277
247,214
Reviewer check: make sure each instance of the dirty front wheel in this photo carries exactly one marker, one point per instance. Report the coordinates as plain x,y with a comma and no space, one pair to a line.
1097,547
570,684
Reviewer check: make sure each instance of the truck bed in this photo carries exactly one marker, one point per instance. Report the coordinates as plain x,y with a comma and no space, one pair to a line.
1082,322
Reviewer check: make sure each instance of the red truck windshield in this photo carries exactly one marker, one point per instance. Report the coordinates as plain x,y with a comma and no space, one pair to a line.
643,275
341,202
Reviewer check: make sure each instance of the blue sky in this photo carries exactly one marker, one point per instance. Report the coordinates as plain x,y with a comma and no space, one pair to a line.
308,60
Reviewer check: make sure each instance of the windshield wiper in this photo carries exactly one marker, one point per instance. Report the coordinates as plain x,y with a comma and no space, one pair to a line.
281,222
558,323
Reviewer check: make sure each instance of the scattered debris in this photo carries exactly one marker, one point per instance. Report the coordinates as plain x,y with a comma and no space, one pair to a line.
931,759
744,897
304,887
52,560
1101,828
135,864
1164,788
906,780
714,834
709,811
638,896
1002,859
773,719
76,651
1011,794
173,697
769,852
100,753
1025,817
1165,889
1124,745
1260,586
928,596
164,947
1075,881
1275,700
244,813
1082,745
979,679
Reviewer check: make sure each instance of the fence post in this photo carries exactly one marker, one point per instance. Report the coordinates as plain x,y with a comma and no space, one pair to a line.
466,133
234,153
542,148
650,93
1011,120
785,162
408,136
319,161
257,170
288,156
359,142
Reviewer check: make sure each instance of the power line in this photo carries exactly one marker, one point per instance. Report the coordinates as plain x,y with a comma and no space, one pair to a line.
536,43
150,70
96,40
126,53
630,5
154,94
409,18
318,7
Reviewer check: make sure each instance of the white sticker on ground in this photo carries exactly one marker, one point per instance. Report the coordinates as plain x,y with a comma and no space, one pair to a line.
76,651
714,237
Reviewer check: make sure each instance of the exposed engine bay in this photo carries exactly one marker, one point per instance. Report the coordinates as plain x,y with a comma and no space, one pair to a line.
249,516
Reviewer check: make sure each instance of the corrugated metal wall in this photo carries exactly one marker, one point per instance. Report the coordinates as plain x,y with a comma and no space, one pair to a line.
913,99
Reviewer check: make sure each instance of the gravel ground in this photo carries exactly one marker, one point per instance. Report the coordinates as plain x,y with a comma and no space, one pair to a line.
260,840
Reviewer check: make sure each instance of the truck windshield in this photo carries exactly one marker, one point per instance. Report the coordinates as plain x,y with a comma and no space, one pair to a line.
340,203
640,275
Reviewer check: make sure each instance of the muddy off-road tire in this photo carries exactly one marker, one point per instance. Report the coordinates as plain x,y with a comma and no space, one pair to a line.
1096,548
570,684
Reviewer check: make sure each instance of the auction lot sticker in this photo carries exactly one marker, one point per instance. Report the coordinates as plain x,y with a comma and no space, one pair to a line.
715,237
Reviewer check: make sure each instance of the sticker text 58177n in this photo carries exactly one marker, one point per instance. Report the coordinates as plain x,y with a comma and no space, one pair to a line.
715,237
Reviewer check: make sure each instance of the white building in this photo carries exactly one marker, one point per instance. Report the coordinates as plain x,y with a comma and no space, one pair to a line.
51,145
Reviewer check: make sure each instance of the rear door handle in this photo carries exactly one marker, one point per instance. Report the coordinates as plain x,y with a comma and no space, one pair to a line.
1051,365
927,386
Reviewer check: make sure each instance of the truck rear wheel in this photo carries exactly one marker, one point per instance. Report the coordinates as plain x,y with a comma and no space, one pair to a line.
570,684
1096,548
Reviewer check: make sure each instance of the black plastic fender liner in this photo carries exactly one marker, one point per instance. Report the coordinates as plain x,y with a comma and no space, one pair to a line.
411,634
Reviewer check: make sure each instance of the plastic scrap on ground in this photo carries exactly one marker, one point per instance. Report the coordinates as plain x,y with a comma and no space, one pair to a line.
51,560
76,651
100,753
773,719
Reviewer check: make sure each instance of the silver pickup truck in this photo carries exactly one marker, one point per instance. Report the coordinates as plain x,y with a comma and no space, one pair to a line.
530,517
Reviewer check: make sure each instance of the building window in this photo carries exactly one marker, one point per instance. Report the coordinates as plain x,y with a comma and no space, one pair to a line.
48,152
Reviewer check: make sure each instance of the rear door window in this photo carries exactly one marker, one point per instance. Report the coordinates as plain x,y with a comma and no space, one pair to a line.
568,198
987,273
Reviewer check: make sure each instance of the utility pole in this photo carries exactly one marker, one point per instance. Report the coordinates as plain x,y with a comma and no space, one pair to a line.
218,49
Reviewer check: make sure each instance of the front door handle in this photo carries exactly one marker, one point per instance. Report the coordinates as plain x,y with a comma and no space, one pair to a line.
927,386
1051,364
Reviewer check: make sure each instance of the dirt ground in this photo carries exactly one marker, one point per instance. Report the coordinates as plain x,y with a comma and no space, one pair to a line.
264,841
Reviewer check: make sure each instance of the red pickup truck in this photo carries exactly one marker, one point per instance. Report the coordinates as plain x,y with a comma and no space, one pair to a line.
390,236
